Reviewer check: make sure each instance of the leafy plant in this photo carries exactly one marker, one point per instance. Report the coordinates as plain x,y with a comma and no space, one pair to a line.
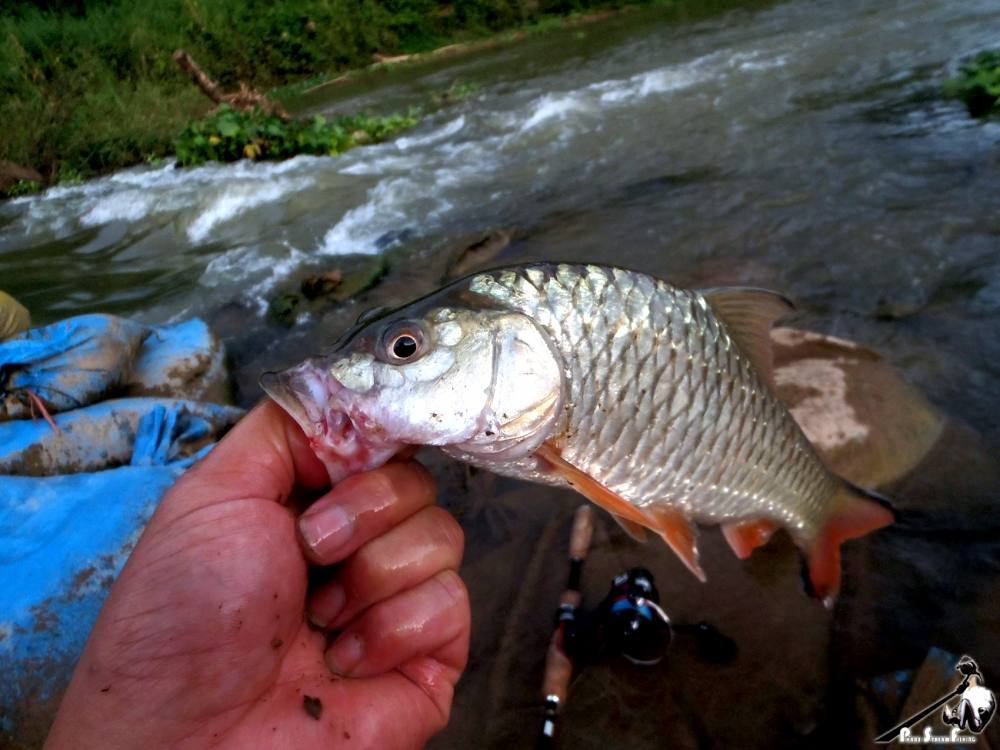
455,93
23,187
978,84
229,135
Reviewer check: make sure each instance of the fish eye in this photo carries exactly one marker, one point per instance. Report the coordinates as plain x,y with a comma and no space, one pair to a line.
403,342
404,347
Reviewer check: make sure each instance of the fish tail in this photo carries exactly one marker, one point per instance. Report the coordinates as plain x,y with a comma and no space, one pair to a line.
857,512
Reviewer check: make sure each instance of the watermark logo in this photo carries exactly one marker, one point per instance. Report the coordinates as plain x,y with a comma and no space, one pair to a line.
967,710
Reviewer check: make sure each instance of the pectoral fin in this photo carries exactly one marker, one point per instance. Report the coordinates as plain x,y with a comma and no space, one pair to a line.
745,537
672,527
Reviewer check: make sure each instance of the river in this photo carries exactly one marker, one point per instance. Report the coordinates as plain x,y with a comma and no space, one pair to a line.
803,146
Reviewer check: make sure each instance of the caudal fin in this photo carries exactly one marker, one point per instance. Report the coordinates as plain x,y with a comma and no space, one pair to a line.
857,512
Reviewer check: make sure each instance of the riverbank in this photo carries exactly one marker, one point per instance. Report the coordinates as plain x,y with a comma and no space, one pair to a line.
90,88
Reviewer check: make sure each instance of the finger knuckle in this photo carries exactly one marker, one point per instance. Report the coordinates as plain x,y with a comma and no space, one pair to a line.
446,532
452,588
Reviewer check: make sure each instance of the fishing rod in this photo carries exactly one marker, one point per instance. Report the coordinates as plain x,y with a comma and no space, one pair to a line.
558,664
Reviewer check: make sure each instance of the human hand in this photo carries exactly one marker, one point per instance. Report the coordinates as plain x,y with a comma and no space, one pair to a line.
203,640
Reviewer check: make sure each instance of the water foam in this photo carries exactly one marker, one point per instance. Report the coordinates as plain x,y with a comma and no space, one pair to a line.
359,230
235,200
554,106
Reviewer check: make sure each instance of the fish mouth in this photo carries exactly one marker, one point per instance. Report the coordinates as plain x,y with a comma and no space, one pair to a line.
301,392
312,398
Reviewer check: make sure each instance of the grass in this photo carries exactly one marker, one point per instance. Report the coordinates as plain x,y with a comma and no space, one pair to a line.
87,86
978,84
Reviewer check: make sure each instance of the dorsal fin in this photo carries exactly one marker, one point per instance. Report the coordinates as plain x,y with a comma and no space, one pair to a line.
748,315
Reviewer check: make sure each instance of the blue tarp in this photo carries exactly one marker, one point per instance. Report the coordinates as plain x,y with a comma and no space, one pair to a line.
73,501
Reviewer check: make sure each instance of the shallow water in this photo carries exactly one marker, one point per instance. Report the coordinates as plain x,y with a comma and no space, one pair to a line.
803,147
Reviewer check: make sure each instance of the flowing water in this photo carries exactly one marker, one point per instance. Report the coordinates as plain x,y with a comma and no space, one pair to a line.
803,146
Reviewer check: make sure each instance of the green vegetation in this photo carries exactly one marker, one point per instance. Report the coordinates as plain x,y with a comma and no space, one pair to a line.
89,85
228,135
23,187
978,84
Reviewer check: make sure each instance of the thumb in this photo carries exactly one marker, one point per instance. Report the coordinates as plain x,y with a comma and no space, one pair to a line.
265,456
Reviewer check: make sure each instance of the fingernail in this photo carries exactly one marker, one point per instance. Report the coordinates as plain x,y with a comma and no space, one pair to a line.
345,654
326,530
327,604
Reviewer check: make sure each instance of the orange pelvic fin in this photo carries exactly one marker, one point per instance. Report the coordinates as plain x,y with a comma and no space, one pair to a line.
857,513
747,536
669,524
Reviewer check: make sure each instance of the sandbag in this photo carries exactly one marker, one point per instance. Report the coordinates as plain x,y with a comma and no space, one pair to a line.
181,360
112,433
14,317
68,364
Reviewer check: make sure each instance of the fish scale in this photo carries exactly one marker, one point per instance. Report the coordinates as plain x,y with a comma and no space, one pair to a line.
726,450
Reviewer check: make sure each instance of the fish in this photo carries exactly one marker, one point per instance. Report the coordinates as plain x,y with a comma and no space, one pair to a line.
654,402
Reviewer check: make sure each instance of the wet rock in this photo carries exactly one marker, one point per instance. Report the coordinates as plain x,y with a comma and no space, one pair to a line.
321,284
320,290
356,282
284,308
897,309
477,255
869,425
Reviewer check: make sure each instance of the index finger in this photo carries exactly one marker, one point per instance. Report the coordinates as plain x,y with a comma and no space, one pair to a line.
265,456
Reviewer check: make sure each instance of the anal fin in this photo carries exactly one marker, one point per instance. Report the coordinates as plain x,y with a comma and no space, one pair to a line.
746,536
633,529
672,527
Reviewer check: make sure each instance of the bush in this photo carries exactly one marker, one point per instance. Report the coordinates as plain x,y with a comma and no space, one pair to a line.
978,84
229,135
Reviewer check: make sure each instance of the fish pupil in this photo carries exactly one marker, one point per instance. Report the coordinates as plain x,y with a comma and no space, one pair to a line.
404,347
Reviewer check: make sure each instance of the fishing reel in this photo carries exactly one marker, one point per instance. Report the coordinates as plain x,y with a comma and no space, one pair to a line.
634,624
630,622
637,627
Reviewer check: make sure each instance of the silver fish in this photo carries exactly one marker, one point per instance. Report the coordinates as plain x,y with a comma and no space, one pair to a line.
652,401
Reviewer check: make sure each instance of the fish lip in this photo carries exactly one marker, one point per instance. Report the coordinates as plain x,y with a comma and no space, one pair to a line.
310,396
341,437
295,390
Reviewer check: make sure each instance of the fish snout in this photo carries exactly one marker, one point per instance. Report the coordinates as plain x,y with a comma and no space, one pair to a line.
302,392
